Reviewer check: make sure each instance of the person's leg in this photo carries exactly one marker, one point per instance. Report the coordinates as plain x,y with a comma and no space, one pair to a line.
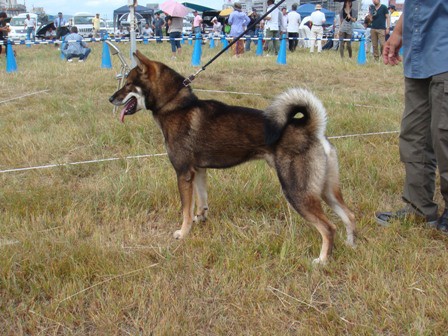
320,34
439,108
416,149
374,38
276,35
313,39
341,44
349,45
381,39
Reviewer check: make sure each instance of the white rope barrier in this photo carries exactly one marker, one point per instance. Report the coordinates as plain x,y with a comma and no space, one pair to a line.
188,38
24,96
12,170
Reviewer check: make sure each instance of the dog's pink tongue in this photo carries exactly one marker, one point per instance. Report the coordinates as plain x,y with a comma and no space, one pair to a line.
123,111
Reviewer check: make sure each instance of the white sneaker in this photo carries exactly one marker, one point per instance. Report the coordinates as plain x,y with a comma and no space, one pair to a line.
70,60
80,61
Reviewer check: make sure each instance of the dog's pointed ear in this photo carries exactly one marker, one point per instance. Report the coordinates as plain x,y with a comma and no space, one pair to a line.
144,63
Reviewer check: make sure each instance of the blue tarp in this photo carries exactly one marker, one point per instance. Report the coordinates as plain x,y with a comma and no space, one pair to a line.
307,9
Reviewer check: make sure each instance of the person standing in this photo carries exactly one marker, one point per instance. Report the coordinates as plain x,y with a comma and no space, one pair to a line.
238,20
175,25
294,21
317,31
30,27
96,21
272,27
75,46
379,27
158,24
197,23
423,142
59,22
251,33
4,30
348,15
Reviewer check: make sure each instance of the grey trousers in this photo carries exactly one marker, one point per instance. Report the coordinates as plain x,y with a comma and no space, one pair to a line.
424,142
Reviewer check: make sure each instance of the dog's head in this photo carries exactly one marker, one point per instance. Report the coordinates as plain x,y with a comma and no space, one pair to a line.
147,86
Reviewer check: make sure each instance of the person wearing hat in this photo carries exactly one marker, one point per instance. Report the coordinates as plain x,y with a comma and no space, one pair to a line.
59,22
238,20
96,21
197,23
217,27
317,31
253,16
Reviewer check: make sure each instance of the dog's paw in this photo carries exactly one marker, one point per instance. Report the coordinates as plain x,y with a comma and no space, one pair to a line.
200,219
319,262
178,234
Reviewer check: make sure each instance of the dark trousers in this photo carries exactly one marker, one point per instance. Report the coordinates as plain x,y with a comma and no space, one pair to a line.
294,41
424,142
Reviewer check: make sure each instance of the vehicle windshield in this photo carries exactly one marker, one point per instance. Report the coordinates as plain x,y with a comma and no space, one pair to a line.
17,22
82,20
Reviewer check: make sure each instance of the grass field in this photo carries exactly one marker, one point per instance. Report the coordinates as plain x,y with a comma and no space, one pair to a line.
88,249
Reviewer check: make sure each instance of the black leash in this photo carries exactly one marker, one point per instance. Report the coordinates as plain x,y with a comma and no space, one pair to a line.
187,81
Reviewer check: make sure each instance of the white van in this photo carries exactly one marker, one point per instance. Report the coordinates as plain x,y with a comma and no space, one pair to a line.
17,25
83,21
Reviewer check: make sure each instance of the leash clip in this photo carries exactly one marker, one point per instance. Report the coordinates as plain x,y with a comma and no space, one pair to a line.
187,81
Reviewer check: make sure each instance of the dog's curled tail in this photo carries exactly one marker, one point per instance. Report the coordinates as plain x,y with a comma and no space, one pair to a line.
298,107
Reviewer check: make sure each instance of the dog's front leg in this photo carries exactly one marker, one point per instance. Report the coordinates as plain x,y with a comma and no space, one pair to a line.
200,188
185,184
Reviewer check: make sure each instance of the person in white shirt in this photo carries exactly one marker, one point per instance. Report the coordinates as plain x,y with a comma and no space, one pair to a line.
272,26
294,20
30,26
147,31
284,26
317,31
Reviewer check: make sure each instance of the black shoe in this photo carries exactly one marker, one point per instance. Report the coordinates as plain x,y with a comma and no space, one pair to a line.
407,213
442,223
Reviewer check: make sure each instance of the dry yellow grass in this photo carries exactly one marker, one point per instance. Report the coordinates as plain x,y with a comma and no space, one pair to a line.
87,250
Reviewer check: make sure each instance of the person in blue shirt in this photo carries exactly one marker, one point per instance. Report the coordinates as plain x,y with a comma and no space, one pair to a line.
421,31
74,46
59,23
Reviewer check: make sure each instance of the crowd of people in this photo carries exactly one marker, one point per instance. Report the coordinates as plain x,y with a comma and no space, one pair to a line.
307,33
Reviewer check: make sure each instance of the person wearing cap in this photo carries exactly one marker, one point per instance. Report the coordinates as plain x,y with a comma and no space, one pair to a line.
238,20
96,21
379,27
317,31
197,23
294,21
59,22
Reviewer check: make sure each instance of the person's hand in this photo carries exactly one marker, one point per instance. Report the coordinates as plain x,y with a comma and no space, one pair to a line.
391,49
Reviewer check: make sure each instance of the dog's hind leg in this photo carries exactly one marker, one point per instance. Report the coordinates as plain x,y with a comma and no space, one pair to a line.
311,209
332,195
302,180
185,182
200,188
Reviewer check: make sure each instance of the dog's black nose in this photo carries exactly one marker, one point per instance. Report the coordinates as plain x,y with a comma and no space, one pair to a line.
111,98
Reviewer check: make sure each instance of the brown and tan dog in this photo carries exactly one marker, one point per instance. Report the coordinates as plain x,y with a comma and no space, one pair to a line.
201,134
